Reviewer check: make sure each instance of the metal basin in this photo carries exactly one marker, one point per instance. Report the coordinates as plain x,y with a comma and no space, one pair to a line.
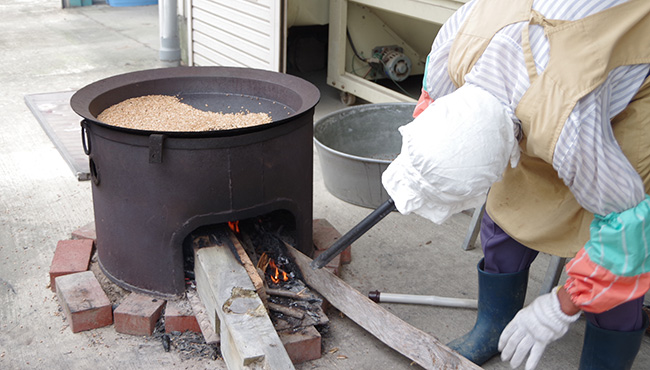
355,145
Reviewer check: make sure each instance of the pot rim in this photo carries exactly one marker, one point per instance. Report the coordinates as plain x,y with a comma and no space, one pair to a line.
82,99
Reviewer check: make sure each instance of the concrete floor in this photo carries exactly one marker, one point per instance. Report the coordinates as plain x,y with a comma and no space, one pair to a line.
49,49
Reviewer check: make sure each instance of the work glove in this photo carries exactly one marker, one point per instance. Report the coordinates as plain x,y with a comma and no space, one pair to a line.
532,329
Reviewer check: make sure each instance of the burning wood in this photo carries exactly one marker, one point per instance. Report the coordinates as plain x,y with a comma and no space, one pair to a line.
258,281
289,306
248,337
290,303
276,274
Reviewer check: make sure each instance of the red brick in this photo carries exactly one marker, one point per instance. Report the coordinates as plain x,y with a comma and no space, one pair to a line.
179,316
84,302
325,235
138,314
70,256
303,345
85,232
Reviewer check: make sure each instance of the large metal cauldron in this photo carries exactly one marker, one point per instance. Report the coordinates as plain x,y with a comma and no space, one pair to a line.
151,189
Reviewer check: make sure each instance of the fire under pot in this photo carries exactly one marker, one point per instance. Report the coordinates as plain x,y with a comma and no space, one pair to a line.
151,189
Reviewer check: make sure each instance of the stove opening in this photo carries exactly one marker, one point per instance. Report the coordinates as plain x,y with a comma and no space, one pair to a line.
262,238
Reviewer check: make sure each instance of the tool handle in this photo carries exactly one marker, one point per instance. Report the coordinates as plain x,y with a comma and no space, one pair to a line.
371,220
433,300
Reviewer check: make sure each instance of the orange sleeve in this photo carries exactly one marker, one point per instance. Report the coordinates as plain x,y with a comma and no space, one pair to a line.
595,289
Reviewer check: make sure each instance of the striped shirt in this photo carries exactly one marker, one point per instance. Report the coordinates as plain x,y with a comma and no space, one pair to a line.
587,157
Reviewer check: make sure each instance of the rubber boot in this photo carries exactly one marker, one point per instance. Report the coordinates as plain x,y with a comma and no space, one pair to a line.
500,297
610,349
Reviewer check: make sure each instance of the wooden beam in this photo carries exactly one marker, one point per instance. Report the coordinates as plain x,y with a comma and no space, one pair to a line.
411,342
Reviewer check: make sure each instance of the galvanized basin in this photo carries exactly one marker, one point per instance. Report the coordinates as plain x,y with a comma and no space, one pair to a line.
355,145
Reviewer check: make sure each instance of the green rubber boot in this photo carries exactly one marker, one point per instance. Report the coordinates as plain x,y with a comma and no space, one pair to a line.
500,297
609,349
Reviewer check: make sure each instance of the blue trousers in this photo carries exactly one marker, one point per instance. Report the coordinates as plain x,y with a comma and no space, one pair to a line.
503,254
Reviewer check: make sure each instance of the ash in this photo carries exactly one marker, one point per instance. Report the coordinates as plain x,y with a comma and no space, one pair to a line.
189,345
310,304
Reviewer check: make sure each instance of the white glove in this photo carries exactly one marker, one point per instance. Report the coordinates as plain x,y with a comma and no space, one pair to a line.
532,329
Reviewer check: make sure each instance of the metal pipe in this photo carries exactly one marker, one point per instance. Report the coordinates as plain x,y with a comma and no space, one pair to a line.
170,49
422,299
371,220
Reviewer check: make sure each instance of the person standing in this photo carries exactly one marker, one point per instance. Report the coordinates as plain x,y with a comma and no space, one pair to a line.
561,91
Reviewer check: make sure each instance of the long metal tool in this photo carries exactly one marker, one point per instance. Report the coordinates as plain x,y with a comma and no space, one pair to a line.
371,220
433,300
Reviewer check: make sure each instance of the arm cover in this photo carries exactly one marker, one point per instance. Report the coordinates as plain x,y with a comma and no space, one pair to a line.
451,154
614,265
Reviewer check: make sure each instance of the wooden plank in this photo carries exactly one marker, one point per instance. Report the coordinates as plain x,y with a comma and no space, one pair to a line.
413,343
251,269
207,327
248,338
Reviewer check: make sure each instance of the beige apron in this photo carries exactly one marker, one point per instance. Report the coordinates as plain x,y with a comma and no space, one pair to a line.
531,203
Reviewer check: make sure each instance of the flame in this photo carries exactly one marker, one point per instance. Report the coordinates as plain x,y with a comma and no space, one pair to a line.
276,274
234,226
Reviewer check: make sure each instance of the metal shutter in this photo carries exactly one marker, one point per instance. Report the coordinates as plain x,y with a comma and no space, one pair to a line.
236,33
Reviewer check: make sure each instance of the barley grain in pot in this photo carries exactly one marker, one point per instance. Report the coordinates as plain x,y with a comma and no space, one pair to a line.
168,113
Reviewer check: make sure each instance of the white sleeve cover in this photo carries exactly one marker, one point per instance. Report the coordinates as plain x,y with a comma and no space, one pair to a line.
451,154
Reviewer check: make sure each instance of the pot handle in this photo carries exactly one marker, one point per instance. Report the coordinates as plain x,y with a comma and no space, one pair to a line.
94,174
85,139
156,147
